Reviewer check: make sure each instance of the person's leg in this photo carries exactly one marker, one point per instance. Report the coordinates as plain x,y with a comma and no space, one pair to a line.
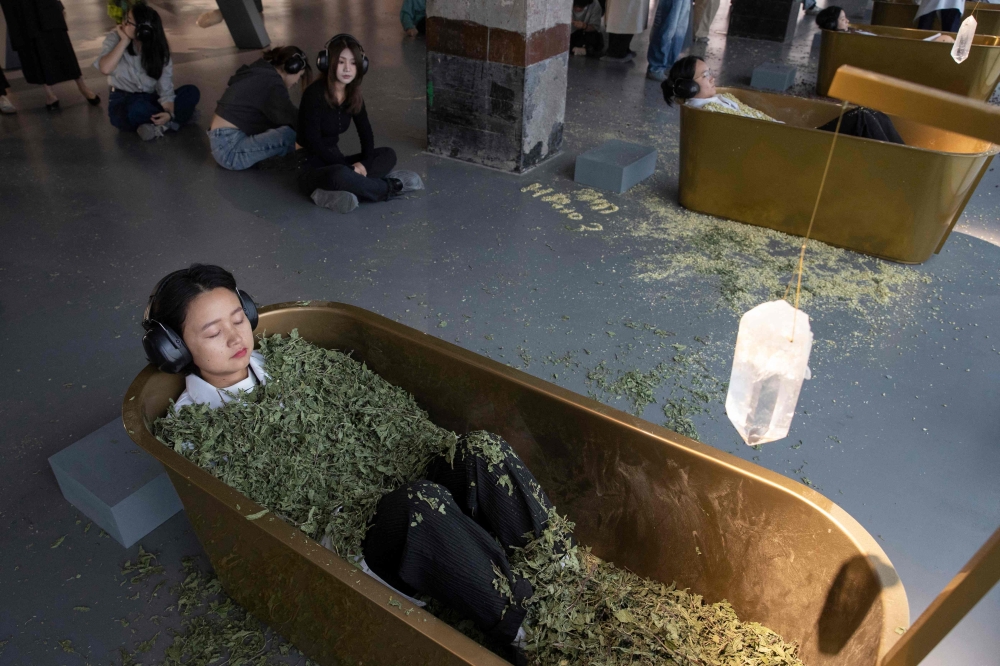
139,109
422,26
236,151
951,20
867,124
186,100
342,178
618,45
6,106
85,90
50,95
420,542
680,20
577,39
594,43
659,39
494,488
926,21
381,162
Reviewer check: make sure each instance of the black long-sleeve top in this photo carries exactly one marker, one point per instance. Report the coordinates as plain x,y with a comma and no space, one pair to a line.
321,125
257,100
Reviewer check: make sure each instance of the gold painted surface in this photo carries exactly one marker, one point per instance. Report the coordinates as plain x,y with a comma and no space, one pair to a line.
904,15
644,497
899,52
890,201
922,104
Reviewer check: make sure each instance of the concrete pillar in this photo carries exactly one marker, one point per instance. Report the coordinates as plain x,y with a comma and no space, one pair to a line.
496,80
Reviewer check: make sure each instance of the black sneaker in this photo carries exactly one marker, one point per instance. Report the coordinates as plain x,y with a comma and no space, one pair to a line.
395,187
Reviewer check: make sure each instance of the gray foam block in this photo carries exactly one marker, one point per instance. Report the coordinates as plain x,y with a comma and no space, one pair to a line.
773,76
116,484
615,166
245,23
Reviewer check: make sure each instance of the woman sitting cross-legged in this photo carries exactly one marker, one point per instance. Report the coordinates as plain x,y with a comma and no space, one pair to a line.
334,180
136,59
692,82
255,119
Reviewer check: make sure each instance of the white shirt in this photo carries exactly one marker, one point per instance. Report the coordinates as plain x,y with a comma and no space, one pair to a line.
698,102
198,391
129,76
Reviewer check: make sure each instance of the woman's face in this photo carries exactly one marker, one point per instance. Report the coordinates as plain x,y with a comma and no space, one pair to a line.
347,69
842,23
704,77
219,336
129,25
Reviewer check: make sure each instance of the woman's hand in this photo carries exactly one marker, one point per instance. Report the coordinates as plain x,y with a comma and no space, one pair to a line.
359,168
412,32
579,25
161,118
120,29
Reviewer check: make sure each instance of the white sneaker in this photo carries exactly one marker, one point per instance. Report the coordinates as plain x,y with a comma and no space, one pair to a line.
336,200
149,131
6,106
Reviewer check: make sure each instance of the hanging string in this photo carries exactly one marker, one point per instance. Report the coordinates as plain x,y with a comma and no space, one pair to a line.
805,241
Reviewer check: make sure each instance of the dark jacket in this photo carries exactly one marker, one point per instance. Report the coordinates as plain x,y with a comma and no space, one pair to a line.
257,100
320,126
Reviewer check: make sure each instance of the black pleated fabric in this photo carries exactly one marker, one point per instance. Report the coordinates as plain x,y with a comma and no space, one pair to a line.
447,536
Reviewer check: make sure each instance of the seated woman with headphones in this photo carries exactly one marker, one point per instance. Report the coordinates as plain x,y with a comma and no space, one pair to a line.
692,82
198,322
334,180
136,59
255,119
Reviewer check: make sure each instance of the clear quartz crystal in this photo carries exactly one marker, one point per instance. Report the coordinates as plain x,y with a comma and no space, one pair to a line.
769,366
963,42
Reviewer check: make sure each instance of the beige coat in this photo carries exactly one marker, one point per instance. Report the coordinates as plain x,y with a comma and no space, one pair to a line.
627,17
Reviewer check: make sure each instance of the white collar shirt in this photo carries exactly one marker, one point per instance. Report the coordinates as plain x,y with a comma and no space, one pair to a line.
197,391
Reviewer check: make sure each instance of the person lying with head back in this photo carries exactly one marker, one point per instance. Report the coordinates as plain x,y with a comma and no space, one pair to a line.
198,323
331,179
255,118
692,82
834,18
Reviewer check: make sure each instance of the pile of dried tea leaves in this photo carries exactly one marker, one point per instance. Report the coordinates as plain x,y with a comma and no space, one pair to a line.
587,611
319,444
326,437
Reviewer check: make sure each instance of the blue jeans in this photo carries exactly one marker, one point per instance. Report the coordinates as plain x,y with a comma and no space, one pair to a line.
237,151
129,110
666,39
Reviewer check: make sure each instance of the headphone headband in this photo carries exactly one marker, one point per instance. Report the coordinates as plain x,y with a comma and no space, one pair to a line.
323,59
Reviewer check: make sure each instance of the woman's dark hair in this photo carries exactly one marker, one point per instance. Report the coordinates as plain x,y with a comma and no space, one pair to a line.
155,49
680,81
827,19
352,92
279,55
582,3
170,305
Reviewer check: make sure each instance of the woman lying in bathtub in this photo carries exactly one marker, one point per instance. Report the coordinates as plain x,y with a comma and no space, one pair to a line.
198,323
692,82
834,18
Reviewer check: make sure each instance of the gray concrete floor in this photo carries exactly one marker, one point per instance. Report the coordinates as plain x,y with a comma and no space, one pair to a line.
899,425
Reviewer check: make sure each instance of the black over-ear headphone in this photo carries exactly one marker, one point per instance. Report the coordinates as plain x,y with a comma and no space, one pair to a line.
143,32
164,347
296,63
323,59
686,88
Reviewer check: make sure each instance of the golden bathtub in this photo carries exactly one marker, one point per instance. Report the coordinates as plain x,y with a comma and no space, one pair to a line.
900,52
644,497
904,14
882,199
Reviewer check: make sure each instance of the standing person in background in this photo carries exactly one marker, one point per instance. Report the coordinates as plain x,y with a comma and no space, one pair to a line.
39,34
255,119
703,13
413,16
950,12
624,19
6,106
587,28
331,179
666,39
136,59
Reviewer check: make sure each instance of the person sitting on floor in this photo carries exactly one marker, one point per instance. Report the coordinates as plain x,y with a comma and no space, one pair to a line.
586,33
692,82
413,16
834,18
255,119
330,178
136,59
198,323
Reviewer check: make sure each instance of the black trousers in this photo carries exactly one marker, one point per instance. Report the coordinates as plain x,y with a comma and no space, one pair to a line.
448,536
3,83
951,20
618,45
422,26
343,177
592,41
866,123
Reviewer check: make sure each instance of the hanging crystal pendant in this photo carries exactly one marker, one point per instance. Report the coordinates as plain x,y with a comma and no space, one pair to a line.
963,42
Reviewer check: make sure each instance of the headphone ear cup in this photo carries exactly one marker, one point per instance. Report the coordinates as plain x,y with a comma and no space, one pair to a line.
364,65
165,349
686,88
249,307
143,32
323,60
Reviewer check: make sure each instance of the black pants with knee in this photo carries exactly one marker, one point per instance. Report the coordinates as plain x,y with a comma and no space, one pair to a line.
448,536
951,20
866,123
618,45
372,187
592,40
